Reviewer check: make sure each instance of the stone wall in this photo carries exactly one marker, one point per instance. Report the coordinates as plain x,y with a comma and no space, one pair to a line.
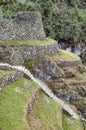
25,25
9,79
32,102
18,55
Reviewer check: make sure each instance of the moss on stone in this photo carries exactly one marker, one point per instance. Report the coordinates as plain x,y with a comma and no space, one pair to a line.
65,56
45,42
5,73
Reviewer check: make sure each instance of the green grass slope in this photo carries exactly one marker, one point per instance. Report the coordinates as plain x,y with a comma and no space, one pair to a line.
13,100
50,113
46,114
71,124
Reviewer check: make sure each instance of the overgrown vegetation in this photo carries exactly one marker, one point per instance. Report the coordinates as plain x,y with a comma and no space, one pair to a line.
64,19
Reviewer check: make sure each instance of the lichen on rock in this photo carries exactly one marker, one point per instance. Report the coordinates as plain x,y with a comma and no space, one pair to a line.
25,25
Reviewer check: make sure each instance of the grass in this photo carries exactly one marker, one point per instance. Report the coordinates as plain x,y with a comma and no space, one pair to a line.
45,42
70,123
12,105
51,117
49,114
13,101
5,73
82,76
64,56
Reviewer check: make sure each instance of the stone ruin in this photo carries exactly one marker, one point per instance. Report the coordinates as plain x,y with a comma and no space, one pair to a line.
25,25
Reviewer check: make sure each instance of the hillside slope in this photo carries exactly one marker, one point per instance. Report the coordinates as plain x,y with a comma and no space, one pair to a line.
45,114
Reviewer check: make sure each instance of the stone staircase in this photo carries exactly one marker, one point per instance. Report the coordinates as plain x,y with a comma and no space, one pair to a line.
39,110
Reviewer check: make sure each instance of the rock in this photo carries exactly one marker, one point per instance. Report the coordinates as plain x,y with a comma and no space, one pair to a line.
27,85
69,74
17,55
72,90
1,14
9,79
24,26
76,48
18,90
26,16
0,89
46,70
47,101
84,56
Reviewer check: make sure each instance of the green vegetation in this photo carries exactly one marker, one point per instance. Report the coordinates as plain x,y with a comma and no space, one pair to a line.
64,56
13,103
71,124
82,76
30,42
63,20
49,114
5,73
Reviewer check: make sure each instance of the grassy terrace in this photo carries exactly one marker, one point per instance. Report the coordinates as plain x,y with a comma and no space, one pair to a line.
71,124
47,113
64,56
45,42
49,116
13,100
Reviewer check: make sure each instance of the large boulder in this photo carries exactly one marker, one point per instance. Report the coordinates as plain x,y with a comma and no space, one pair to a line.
24,26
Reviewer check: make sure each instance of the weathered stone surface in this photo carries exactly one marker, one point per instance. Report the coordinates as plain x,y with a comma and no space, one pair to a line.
72,90
17,55
25,25
9,79
46,70
1,14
